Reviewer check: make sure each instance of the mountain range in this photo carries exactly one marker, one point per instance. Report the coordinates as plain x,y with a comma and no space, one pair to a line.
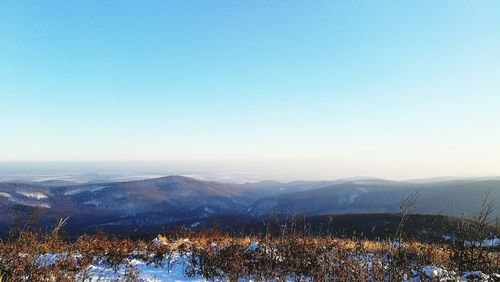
171,199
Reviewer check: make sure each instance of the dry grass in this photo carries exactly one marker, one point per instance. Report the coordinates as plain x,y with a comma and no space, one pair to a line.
216,255
302,257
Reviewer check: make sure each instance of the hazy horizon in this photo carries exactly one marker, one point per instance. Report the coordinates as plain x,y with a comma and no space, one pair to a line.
83,172
267,89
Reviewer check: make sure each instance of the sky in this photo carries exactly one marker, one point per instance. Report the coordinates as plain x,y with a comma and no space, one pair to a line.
281,89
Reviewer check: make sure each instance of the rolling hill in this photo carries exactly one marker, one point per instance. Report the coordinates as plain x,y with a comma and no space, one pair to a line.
174,199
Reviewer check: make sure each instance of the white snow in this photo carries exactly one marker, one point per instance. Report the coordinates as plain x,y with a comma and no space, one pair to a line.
174,270
494,242
41,205
96,188
352,198
396,244
253,246
488,243
447,237
92,189
155,273
434,272
475,276
91,203
36,195
441,274
193,225
26,202
209,210
157,242
6,195
146,273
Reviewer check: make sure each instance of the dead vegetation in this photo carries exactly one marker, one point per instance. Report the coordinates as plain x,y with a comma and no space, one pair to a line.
293,254
287,250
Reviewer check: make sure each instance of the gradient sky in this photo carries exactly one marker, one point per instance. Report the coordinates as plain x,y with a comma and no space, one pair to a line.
289,89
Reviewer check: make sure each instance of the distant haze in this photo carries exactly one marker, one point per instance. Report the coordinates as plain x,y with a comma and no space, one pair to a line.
234,172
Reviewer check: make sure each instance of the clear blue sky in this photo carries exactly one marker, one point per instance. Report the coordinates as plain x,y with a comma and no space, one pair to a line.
336,88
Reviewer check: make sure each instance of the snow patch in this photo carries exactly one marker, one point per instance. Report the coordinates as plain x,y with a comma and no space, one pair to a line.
35,195
94,203
475,276
486,243
40,205
352,198
434,272
253,246
495,242
447,237
146,272
27,202
92,189
6,195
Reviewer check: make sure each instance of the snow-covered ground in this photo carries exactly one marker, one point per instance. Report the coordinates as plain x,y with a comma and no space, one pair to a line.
150,273
489,243
441,274
146,273
494,242
174,269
